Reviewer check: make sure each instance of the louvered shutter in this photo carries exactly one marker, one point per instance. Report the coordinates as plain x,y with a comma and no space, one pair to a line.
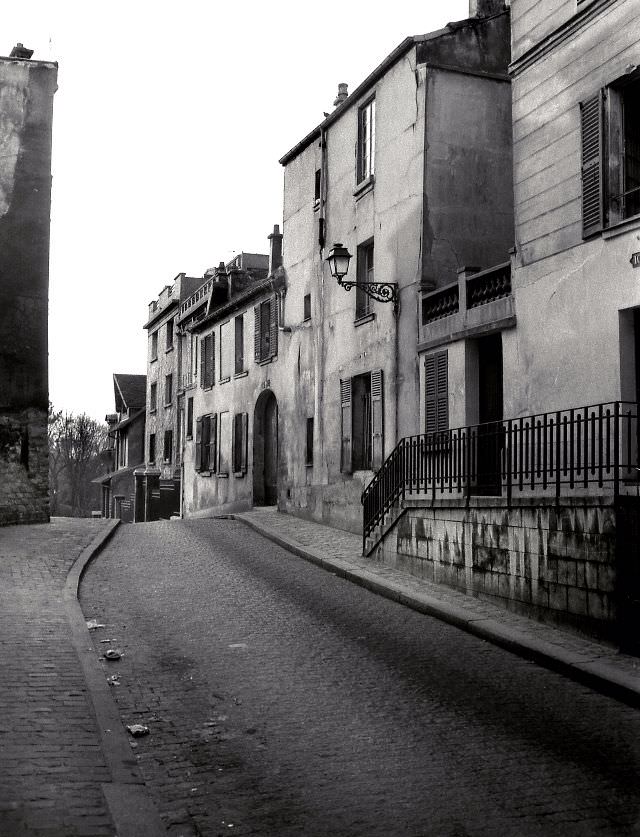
345,409
198,460
203,356
377,416
436,393
273,327
591,114
213,443
209,359
256,334
244,426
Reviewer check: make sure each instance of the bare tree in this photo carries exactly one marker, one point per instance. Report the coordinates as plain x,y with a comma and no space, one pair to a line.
75,443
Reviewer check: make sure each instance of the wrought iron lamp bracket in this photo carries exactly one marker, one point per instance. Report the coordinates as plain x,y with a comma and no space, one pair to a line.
380,291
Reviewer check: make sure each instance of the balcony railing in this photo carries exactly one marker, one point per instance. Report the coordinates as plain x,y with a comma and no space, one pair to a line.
441,303
568,452
196,297
489,285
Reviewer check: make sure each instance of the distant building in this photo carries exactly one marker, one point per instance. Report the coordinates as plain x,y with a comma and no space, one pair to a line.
163,403
27,88
126,444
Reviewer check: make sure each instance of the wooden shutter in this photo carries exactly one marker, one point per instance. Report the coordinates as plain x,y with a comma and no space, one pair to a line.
273,327
198,460
377,419
436,393
245,442
203,355
591,115
208,360
239,344
345,409
257,334
213,443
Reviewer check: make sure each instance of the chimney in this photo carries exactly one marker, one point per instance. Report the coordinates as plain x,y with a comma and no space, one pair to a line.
342,94
486,8
20,51
275,249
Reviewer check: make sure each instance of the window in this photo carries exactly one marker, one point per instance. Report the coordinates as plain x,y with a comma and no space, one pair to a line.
308,457
316,194
307,307
207,361
153,398
610,133
206,443
239,345
365,274
154,346
227,351
361,404
168,445
436,393
266,330
168,390
169,335
224,446
366,140
240,430
189,427
152,448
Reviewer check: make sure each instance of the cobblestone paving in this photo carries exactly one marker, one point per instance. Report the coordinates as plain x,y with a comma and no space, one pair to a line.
285,701
51,763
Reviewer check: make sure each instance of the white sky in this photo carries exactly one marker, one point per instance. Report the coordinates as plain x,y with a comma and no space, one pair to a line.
168,125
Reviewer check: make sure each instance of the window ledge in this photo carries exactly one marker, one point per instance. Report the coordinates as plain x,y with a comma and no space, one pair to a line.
364,186
169,349
225,380
223,476
306,320
168,404
153,359
622,227
205,473
188,437
207,389
152,411
267,360
239,474
367,318
241,374
308,464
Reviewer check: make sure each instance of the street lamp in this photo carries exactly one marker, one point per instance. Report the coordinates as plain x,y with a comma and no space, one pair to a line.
339,258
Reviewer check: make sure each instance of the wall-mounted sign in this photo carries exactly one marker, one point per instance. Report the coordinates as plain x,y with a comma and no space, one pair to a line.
635,260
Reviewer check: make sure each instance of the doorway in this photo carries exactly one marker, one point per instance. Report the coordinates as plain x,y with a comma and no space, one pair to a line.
490,415
265,450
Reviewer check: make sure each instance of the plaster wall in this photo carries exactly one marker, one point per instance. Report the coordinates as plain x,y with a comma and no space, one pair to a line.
164,417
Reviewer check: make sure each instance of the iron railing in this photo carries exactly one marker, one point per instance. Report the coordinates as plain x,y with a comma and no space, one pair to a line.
554,454
489,285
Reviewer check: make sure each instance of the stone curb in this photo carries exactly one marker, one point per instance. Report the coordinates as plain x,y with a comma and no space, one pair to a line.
592,671
132,810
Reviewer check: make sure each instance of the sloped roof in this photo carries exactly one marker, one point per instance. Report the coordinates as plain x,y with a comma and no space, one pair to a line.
130,391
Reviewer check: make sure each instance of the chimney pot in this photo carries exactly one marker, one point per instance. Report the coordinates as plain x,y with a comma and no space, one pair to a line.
20,51
342,94
275,249
486,8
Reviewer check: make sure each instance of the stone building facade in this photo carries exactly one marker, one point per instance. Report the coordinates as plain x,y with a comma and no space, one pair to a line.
27,88
427,194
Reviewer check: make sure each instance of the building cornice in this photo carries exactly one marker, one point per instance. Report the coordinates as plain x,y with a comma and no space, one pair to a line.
568,30
161,312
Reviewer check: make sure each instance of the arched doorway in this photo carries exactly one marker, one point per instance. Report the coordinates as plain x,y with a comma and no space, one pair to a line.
265,450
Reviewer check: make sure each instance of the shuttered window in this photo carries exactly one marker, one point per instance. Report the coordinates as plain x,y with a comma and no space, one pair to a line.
207,362
198,445
265,341
239,443
213,442
345,411
206,443
436,393
591,113
377,435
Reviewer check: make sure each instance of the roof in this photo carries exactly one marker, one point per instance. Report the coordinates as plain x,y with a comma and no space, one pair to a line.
377,74
271,283
130,391
129,419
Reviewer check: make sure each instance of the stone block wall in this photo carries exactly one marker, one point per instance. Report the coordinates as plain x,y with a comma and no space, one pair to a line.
24,467
556,563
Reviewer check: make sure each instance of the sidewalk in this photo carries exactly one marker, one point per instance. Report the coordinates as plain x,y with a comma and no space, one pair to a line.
596,665
66,766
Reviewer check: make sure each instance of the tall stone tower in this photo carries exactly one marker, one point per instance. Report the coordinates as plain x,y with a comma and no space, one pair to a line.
27,88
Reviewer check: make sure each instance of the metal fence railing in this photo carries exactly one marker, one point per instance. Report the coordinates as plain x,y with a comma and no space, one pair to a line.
565,452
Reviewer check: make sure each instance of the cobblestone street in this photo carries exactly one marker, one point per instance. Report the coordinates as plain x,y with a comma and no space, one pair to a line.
284,700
